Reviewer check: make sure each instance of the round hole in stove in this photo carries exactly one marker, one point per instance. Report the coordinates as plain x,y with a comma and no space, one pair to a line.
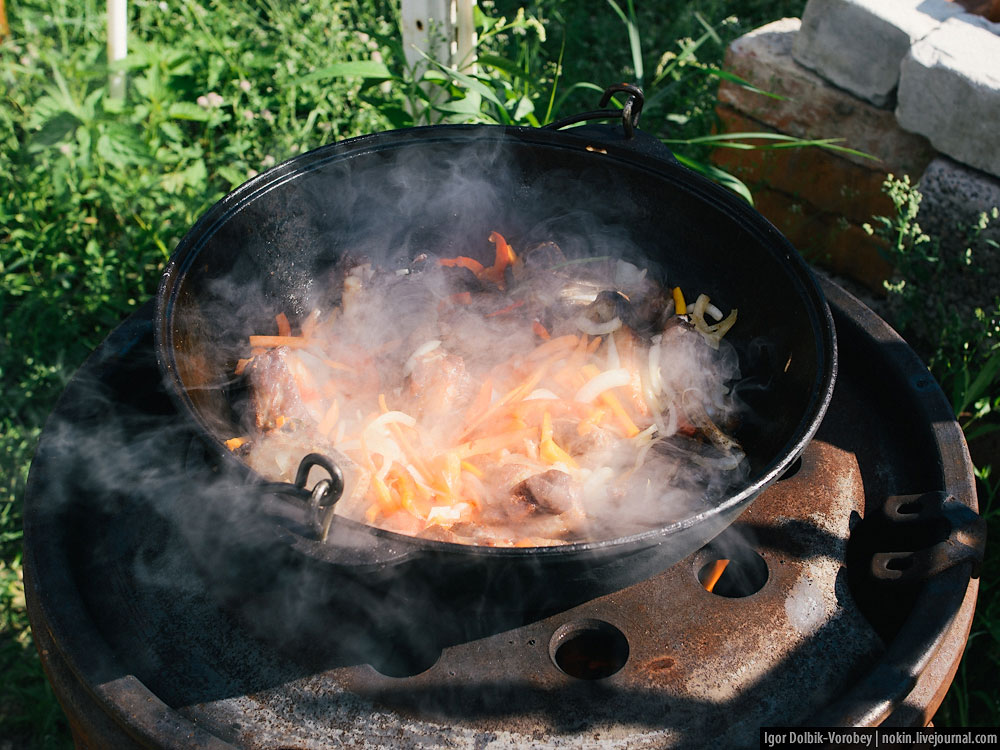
730,568
589,649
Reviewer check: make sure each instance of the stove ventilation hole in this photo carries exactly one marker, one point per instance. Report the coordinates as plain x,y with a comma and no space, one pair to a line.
741,574
589,649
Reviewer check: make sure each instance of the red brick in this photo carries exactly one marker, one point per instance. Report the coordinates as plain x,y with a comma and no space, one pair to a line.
818,176
826,239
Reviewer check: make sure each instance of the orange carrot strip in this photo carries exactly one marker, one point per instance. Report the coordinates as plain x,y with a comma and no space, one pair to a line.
236,442
493,443
612,402
585,426
514,394
415,458
540,330
241,365
504,255
553,345
505,310
463,261
547,447
284,327
329,419
269,342
309,323
339,366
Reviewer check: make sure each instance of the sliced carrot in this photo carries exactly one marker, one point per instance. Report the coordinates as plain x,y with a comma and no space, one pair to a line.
612,402
463,261
548,450
284,327
540,330
241,365
505,310
270,342
493,443
236,442
329,420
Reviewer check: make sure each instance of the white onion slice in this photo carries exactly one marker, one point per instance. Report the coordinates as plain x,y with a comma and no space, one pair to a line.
541,393
597,329
426,348
602,382
614,360
655,373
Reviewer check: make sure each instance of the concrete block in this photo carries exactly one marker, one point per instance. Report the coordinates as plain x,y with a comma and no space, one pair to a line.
954,196
949,91
813,108
858,44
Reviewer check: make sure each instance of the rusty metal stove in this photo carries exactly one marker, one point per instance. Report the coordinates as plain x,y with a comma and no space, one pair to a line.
799,630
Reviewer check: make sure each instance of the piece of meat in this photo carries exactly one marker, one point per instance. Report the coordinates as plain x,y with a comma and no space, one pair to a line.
439,383
551,491
281,389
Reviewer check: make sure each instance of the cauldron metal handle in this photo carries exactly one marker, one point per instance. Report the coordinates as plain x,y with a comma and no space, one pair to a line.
322,498
629,113
634,140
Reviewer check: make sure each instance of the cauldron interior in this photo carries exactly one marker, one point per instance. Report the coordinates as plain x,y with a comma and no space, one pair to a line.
442,190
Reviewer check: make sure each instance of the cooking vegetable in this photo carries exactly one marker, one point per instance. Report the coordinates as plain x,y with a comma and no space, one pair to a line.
480,423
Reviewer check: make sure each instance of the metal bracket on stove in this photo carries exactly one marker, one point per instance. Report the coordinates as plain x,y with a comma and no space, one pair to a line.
931,515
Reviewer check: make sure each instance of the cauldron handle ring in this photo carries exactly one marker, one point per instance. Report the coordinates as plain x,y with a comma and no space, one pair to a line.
325,493
629,112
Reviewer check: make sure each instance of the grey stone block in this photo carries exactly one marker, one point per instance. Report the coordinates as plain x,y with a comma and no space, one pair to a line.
859,44
949,91
812,107
954,196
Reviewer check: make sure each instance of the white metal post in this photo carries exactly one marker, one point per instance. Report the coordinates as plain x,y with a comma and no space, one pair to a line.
117,45
441,29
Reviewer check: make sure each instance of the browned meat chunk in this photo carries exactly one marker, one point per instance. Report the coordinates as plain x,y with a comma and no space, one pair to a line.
439,384
280,388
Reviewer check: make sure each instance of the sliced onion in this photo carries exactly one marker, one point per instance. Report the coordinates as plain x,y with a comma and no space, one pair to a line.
713,311
591,328
390,417
426,348
655,373
602,382
614,361
541,393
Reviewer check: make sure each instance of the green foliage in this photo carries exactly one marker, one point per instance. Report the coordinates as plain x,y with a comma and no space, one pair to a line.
944,298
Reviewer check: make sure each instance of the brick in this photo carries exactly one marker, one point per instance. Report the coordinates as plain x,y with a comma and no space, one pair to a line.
859,44
949,91
817,176
812,107
827,240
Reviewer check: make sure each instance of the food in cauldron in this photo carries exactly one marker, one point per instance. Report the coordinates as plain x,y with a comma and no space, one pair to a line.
530,402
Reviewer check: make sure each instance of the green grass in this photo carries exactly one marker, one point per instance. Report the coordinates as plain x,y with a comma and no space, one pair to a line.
94,193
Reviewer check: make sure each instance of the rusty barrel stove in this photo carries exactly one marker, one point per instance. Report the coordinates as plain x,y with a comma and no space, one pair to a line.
847,601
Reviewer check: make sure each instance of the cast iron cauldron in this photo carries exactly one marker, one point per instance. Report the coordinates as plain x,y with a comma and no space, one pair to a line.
282,231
